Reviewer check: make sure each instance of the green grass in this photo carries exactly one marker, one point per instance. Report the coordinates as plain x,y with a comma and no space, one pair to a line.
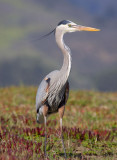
89,124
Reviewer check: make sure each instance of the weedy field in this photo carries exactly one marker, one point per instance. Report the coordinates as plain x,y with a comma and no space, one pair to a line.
89,126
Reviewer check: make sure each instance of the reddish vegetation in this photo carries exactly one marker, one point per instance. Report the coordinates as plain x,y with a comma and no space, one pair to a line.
15,141
90,126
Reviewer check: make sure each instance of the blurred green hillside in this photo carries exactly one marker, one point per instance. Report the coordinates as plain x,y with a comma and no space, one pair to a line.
24,60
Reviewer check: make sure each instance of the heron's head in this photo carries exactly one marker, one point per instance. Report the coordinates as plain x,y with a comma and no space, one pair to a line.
68,26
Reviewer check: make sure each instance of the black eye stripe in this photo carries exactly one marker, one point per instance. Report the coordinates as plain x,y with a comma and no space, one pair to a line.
64,22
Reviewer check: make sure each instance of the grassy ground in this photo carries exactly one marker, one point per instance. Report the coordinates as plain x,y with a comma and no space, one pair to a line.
90,126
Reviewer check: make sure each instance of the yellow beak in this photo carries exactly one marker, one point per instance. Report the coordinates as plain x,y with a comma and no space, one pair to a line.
84,28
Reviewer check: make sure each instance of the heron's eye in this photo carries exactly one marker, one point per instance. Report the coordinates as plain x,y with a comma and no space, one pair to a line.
69,25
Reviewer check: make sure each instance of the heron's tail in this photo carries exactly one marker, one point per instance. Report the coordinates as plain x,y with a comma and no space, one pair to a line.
40,118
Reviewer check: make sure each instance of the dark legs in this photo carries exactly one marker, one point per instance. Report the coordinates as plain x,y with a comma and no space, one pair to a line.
45,111
62,138
61,113
45,137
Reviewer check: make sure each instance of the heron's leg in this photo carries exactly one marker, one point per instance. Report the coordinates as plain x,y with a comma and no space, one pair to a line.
45,142
45,112
61,113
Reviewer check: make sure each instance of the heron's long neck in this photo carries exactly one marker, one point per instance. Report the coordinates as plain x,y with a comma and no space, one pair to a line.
66,67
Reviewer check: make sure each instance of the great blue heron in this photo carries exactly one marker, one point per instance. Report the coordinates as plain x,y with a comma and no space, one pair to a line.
53,91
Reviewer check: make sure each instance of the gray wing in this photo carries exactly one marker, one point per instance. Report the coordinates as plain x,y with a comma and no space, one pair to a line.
42,92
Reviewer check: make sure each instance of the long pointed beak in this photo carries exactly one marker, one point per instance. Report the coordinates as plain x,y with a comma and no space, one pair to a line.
84,28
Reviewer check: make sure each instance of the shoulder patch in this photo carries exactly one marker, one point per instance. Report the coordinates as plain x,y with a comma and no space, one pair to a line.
47,80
